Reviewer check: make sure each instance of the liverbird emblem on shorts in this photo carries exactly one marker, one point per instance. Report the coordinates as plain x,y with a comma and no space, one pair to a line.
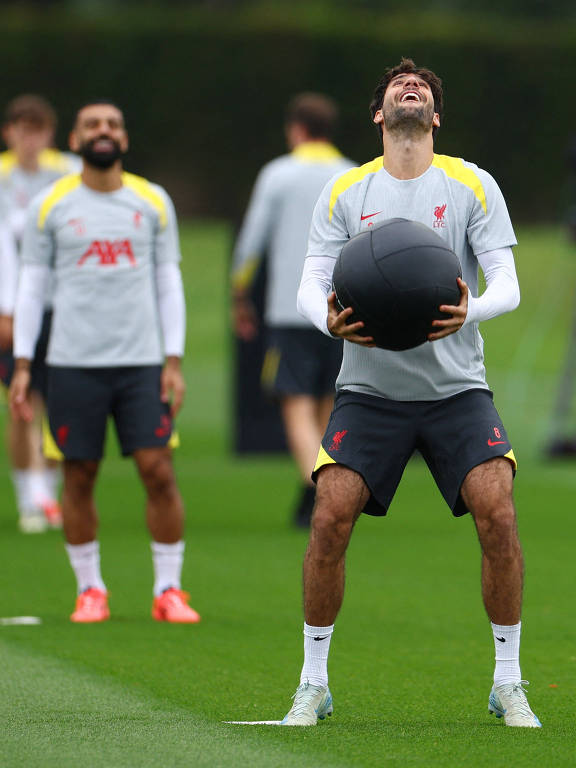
337,440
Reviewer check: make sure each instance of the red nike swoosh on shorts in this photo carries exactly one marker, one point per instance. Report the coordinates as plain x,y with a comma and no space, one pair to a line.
496,442
369,215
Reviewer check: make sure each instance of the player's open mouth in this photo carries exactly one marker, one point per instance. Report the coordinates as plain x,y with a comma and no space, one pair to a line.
410,96
103,145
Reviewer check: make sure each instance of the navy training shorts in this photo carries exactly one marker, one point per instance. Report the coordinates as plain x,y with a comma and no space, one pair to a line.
376,438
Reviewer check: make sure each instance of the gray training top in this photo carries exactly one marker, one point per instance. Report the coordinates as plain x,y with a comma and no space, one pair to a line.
277,222
464,205
103,248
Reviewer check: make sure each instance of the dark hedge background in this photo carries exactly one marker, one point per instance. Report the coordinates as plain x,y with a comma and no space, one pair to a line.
204,93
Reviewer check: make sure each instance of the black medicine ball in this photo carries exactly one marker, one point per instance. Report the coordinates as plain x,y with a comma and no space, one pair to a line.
395,276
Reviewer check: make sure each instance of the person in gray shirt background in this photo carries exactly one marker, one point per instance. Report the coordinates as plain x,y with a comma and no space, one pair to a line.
109,240
300,364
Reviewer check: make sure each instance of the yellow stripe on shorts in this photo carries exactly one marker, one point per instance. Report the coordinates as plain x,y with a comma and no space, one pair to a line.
174,441
49,447
323,459
270,367
511,458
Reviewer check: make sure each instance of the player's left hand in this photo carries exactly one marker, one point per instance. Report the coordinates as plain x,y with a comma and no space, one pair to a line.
172,385
458,315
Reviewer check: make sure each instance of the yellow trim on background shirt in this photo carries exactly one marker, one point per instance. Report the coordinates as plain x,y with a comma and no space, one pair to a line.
454,168
48,160
323,459
316,152
7,161
510,456
54,160
350,178
244,275
58,190
49,447
144,189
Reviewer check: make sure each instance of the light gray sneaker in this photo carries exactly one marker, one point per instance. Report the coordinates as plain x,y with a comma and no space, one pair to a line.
311,703
509,701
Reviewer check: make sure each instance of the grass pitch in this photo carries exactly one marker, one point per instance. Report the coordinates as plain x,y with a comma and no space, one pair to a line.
411,659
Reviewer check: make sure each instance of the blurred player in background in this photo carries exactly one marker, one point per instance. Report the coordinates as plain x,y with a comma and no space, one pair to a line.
300,365
562,428
29,165
110,240
433,397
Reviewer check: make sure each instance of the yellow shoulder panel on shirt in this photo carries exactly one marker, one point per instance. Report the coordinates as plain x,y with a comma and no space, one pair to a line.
54,160
316,152
58,190
7,161
146,191
350,178
454,168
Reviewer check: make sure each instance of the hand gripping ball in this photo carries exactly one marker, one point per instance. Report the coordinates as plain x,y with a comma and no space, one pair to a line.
395,276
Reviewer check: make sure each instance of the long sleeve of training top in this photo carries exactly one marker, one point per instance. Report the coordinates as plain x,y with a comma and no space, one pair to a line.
502,292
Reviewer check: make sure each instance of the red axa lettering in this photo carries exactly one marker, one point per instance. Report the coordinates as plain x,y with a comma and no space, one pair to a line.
108,252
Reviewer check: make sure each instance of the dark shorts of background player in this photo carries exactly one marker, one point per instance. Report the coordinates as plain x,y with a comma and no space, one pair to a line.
300,361
81,399
38,369
376,438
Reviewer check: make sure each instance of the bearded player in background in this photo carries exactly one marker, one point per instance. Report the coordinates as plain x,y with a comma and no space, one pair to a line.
110,241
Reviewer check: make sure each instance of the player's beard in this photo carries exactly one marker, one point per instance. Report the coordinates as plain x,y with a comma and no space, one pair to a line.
102,160
409,121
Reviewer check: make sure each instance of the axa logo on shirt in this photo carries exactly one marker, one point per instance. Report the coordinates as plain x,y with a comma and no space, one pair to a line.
108,252
439,212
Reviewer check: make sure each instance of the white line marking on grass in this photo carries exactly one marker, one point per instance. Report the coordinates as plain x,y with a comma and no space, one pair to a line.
11,621
252,722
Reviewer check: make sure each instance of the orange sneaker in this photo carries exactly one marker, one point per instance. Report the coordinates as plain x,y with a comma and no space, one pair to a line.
91,606
172,605
52,513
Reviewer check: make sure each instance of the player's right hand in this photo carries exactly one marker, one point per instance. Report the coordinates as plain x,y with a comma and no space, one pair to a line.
6,328
20,406
338,326
244,319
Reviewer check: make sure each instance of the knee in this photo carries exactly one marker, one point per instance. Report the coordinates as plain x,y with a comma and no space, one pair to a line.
496,525
80,476
158,477
331,528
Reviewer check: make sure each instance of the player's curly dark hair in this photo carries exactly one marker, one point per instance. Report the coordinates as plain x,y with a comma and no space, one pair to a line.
408,66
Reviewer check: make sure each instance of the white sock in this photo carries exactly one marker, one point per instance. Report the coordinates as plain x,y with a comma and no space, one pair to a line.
52,482
316,647
167,559
21,480
38,488
85,562
507,647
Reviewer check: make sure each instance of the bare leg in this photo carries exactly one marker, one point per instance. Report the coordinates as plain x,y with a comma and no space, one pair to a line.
340,497
78,508
164,508
303,432
487,492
